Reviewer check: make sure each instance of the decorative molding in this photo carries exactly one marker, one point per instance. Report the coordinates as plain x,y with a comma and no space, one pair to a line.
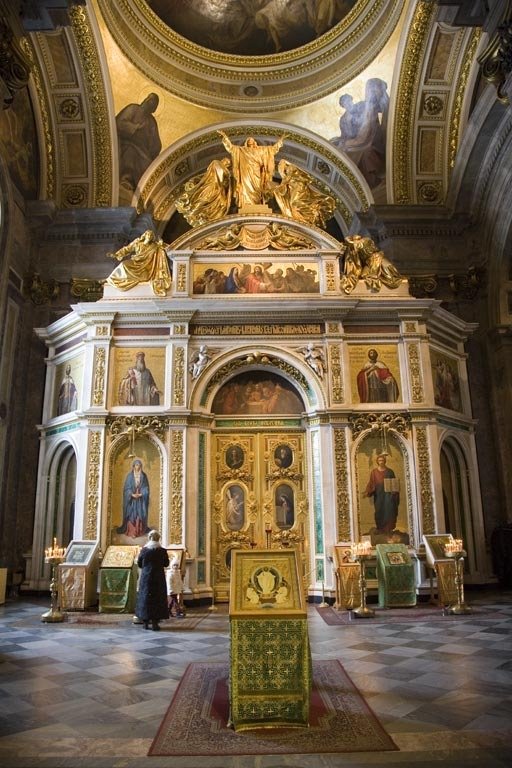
496,60
138,425
425,475
86,289
342,494
338,395
405,103
399,422
413,354
40,292
15,65
251,84
94,453
176,507
97,101
99,376
179,376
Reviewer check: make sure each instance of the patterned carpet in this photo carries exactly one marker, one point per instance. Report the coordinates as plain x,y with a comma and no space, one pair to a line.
93,619
397,615
196,721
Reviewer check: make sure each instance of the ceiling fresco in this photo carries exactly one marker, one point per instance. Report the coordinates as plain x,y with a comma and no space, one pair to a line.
251,27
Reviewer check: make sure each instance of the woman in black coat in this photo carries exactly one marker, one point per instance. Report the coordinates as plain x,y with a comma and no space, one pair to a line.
152,594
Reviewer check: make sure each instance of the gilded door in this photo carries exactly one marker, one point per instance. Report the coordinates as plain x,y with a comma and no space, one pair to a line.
259,498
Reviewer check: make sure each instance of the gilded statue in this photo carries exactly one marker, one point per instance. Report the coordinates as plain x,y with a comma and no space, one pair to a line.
207,197
253,168
299,199
148,263
364,261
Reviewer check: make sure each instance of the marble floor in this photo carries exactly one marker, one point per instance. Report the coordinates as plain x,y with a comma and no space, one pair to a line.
79,696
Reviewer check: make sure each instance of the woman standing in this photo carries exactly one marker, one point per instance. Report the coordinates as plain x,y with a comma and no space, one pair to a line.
152,594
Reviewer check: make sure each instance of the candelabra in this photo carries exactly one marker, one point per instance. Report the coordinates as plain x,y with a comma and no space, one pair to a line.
54,556
454,550
361,552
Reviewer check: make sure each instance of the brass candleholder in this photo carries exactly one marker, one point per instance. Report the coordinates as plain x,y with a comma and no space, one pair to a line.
54,556
324,603
361,553
460,607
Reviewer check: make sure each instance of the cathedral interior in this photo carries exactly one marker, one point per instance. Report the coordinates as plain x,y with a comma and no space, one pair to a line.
256,293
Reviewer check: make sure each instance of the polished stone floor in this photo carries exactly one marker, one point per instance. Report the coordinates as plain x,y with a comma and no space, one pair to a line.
89,696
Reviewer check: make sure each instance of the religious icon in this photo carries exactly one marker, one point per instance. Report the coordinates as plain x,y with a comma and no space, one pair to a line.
234,456
235,507
284,504
283,456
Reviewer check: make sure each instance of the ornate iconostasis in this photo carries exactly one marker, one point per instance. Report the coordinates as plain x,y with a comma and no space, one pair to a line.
250,420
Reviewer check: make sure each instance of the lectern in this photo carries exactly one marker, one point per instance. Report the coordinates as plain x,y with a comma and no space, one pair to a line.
270,670
78,576
118,580
395,574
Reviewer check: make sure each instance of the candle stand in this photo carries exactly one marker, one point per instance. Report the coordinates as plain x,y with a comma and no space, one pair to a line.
361,552
460,607
54,614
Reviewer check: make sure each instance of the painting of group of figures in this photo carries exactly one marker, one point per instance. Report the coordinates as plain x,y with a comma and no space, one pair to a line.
251,27
255,278
257,393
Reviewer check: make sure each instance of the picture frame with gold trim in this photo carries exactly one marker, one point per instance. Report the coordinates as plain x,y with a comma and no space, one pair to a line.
266,583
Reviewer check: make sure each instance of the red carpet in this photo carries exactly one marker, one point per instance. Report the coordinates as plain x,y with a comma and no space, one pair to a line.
196,721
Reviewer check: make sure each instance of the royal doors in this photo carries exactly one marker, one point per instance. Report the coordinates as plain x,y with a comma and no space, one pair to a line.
259,498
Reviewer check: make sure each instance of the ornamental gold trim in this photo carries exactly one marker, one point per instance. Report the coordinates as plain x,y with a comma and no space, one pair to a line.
425,474
415,373
93,475
179,376
99,376
176,513
342,495
248,84
403,135
460,91
399,422
97,101
181,282
338,395
48,145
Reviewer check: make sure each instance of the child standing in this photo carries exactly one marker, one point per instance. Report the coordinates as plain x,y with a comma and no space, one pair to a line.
175,590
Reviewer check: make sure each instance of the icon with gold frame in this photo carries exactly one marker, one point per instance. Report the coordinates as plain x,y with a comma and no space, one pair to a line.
265,583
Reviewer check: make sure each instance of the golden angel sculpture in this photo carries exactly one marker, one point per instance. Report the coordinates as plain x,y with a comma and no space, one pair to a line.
364,261
148,264
253,168
207,197
298,198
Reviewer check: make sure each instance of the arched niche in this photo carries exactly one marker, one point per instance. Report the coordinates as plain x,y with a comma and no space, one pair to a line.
383,489
135,490
457,504
257,393
265,364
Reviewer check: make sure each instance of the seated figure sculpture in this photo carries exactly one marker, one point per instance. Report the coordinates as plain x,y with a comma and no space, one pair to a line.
148,264
364,261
